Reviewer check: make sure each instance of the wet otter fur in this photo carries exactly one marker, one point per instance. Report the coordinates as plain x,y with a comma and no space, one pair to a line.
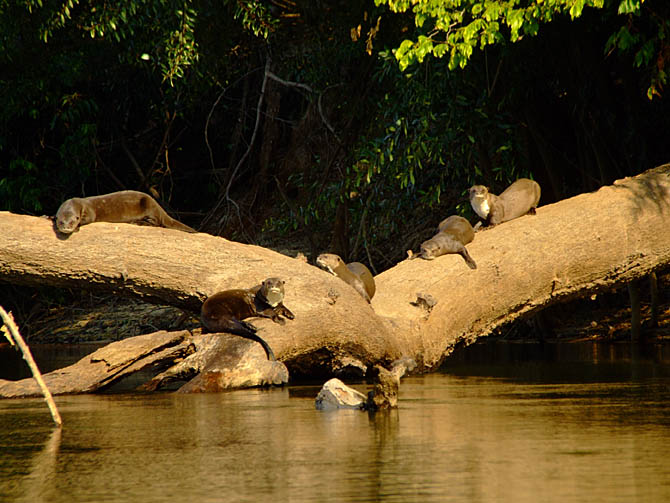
226,311
126,206
520,198
354,273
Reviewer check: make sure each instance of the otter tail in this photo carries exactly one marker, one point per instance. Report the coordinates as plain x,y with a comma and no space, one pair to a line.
468,259
243,329
176,224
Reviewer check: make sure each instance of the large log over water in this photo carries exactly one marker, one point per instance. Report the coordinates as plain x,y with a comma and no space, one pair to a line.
572,248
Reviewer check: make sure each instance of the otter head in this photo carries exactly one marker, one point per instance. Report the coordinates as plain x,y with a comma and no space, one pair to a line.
330,262
479,200
272,290
429,250
68,217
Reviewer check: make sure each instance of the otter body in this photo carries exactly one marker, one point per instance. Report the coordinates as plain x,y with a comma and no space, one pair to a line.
354,273
517,200
454,233
126,206
225,311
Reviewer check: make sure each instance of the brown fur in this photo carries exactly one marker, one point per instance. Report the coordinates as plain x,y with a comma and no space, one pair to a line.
127,206
354,273
225,311
453,234
518,199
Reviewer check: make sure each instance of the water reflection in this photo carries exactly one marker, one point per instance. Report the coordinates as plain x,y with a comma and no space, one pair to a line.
461,435
38,484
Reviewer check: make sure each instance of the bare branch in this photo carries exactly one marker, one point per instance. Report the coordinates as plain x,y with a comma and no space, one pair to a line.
11,331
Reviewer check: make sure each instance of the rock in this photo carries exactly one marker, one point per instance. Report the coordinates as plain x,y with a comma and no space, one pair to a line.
336,395
384,395
243,364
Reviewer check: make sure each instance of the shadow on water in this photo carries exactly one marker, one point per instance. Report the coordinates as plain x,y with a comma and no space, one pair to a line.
560,362
49,357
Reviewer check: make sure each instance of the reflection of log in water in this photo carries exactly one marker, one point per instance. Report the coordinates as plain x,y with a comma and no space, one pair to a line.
38,485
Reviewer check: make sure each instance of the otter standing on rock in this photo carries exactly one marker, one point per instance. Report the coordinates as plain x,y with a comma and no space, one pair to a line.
224,311
454,233
518,199
354,273
126,206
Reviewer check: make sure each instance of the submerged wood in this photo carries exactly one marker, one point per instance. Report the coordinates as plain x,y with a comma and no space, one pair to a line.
576,247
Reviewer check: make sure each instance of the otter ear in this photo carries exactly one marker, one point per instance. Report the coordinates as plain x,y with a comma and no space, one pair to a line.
283,282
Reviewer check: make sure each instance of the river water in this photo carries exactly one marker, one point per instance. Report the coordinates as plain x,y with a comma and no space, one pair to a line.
500,422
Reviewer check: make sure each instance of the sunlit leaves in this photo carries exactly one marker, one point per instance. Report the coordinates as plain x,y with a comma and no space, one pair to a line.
630,6
181,47
256,17
454,28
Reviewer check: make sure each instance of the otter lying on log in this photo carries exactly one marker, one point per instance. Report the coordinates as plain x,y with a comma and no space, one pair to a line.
354,273
225,311
126,206
454,233
516,200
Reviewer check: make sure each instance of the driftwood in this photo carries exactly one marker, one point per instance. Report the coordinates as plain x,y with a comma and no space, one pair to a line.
107,365
208,363
576,247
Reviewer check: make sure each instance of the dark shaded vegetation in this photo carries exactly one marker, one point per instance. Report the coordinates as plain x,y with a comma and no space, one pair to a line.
289,124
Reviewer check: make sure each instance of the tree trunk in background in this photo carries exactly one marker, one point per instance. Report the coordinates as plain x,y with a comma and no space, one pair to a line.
572,248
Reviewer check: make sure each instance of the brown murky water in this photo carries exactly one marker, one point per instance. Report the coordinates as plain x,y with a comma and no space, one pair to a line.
502,422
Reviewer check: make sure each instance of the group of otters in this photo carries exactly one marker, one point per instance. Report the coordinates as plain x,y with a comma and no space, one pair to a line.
226,311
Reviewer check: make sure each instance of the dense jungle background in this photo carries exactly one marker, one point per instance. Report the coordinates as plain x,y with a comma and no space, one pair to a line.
350,127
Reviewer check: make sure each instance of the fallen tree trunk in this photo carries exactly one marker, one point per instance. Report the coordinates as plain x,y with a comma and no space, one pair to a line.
575,247
207,363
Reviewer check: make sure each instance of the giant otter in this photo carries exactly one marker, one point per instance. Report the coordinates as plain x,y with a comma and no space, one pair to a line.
354,273
225,311
516,200
126,206
454,233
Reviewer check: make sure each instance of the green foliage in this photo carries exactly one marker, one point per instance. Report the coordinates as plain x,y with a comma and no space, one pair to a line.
256,17
21,188
413,162
161,31
455,28
80,75
645,38
431,121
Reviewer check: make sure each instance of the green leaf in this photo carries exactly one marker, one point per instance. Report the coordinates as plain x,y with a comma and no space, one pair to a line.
629,7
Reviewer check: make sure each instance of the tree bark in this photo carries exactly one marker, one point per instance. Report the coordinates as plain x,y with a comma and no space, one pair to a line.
576,247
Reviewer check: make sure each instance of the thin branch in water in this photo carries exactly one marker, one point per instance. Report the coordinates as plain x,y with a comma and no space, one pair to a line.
12,334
